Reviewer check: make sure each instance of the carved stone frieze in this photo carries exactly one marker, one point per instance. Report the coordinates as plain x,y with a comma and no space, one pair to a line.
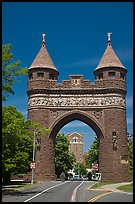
77,101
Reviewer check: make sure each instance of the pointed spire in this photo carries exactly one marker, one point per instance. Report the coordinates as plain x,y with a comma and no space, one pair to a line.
109,58
43,59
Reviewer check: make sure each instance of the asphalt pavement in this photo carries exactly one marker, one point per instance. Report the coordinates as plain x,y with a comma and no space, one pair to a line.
75,192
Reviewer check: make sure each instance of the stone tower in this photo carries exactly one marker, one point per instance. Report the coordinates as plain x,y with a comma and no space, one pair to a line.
101,105
76,146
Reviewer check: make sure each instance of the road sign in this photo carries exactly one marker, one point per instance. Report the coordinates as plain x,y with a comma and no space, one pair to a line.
32,165
94,166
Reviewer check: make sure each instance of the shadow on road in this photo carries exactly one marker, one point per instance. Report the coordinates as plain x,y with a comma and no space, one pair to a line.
18,192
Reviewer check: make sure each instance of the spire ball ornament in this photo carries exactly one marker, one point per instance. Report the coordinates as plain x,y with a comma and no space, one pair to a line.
43,38
109,35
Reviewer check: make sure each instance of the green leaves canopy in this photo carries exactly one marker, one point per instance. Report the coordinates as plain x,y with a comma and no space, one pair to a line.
93,153
10,71
63,159
17,143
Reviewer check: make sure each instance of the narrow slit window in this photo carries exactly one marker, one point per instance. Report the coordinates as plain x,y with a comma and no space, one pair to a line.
31,76
122,76
111,74
40,74
100,76
51,76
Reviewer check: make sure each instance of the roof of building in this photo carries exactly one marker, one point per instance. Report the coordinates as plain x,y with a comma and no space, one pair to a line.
109,58
43,59
74,133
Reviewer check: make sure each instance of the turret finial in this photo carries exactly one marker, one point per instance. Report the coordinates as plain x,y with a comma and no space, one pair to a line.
43,39
109,35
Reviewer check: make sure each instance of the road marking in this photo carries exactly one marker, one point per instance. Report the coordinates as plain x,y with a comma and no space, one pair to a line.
99,196
45,191
73,198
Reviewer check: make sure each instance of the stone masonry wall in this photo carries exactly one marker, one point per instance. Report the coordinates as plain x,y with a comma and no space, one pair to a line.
114,164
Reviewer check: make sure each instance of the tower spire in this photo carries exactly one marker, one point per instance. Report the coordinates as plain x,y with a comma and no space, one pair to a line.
109,58
43,59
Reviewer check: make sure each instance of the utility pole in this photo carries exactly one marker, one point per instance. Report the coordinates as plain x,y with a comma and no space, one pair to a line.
33,159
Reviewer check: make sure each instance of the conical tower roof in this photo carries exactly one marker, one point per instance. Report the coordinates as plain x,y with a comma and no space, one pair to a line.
109,58
43,59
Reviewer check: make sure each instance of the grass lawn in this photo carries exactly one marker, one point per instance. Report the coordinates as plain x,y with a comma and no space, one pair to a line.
127,188
102,183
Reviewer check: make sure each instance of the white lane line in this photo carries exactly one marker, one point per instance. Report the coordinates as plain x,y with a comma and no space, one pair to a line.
44,191
73,198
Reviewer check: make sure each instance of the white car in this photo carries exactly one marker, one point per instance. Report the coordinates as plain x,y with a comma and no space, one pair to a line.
96,177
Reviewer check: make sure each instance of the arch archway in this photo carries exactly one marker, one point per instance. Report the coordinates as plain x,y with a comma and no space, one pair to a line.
101,105
76,115
80,116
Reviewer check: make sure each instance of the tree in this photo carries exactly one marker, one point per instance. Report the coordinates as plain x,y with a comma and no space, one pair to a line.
37,130
63,159
10,71
80,169
17,142
93,153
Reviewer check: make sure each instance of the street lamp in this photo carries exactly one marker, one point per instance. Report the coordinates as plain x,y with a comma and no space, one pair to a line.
33,159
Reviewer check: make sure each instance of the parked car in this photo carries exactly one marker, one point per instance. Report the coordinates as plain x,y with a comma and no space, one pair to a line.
96,177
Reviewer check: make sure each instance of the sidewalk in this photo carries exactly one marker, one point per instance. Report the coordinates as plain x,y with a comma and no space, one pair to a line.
112,187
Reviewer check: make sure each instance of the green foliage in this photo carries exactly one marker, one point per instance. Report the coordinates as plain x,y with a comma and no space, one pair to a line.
102,183
37,130
126,188
10,71
63,159
17,143
80,169
93,153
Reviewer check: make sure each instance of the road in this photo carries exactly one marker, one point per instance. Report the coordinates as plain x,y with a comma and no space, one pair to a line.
68,191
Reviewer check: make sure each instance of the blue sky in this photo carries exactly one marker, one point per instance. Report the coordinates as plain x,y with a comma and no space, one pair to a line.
76,38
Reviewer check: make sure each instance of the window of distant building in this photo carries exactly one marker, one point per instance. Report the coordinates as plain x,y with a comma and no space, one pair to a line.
75,139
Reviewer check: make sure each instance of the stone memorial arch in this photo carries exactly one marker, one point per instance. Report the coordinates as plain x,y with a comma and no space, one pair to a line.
101,105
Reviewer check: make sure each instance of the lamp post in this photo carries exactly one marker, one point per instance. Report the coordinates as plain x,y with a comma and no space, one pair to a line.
33,159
